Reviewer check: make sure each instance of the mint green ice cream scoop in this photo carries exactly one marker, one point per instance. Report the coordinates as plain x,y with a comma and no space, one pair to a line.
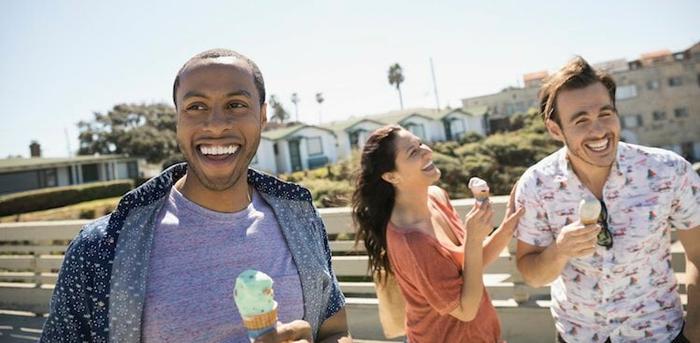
253,293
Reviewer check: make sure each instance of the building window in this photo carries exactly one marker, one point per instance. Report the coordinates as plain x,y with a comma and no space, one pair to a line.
688,151
681,112
632,121
354,139
417,129
659,115
698,79
457,128
274,148
48,178
314,146
626,92
132,169
90,173
510,109
653,84
675,81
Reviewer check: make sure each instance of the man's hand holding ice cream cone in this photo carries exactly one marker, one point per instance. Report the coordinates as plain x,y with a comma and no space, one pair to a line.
579,238
297,331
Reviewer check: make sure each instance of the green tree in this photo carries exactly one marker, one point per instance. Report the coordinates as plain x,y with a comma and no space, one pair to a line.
279,114
500,159
144,130
396,79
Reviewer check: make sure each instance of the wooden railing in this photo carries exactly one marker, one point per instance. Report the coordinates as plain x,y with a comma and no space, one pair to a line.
31,255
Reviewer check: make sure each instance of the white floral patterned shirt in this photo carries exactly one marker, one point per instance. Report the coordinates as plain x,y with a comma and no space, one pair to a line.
627,293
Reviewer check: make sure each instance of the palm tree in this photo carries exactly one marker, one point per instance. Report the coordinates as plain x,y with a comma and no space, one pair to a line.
396,78
279,114
319,100
295,100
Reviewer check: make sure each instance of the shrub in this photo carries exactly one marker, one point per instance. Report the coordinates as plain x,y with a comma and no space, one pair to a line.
327,193
47,198
87,214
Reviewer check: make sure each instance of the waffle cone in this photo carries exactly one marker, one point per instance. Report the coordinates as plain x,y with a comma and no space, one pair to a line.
483,196
261,321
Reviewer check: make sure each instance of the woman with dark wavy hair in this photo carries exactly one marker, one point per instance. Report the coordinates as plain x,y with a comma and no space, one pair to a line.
411,231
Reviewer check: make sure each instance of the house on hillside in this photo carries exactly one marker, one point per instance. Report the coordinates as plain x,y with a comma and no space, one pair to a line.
456,123
25,174
353,133
264,158
428,124
435,126
296,147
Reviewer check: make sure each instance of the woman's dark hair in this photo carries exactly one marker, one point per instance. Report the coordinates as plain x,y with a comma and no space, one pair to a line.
373,199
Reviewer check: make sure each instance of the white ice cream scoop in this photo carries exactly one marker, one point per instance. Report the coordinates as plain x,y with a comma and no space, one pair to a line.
589,210
479,188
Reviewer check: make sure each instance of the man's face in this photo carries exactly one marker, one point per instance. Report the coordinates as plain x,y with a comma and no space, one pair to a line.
590,126
219,120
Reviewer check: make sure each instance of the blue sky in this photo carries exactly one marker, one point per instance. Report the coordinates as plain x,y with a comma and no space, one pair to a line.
61,61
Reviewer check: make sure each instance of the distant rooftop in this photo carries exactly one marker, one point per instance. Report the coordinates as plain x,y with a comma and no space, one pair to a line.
394,117
656,54
538,75
15,164
282,133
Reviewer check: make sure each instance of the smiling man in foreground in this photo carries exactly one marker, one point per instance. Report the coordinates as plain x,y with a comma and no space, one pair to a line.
162,267
611,281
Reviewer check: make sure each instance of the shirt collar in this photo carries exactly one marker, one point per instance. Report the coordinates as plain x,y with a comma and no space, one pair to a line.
617,172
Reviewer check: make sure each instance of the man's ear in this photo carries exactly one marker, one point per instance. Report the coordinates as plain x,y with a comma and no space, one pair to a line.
263,114
391,178
554,130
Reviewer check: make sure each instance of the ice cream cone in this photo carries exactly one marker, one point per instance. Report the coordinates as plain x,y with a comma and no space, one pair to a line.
480,189
260,324
589,210
254,297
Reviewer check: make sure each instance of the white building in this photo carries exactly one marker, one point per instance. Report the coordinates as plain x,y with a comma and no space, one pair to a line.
297,147
428,124
353,133
24,174
264,158
302,147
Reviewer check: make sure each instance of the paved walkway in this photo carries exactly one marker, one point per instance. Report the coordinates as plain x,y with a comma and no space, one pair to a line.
20,327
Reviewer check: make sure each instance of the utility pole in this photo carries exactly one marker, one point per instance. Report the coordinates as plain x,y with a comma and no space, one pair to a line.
432,71
65,132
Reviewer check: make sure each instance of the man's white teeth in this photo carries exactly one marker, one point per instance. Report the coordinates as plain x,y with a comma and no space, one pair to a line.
427,166
598,145
218,149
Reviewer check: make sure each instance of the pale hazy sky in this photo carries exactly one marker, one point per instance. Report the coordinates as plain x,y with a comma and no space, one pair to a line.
60,61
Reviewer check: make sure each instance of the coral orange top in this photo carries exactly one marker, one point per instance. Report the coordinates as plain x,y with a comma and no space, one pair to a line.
429,274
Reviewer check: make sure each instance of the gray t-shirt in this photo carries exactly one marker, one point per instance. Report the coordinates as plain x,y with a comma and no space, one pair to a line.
197,255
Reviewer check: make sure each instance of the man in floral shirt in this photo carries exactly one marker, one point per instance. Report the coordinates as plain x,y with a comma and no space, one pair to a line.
611,281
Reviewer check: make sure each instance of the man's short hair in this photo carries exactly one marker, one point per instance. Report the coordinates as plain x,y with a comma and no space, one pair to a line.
216,53
576,74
